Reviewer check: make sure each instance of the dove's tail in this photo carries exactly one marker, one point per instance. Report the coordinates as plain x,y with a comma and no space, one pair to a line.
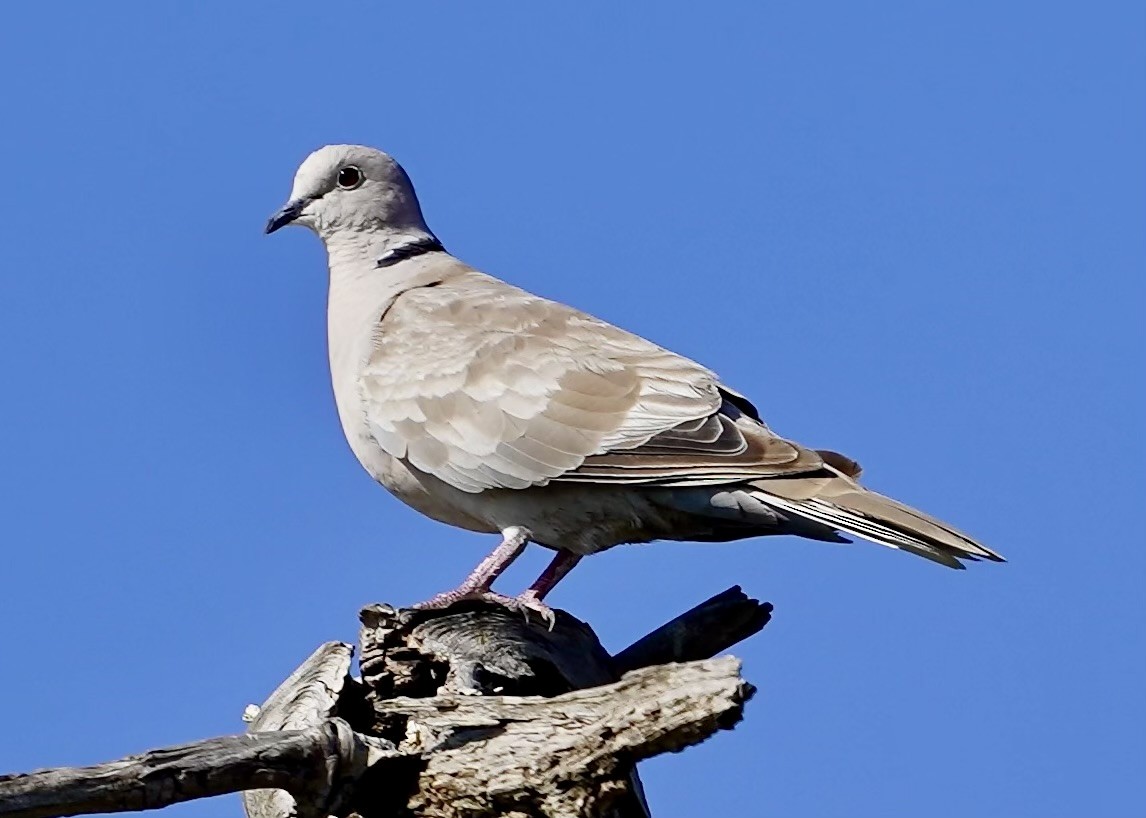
841,504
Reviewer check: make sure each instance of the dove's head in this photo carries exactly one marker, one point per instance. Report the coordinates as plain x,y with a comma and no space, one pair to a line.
351,188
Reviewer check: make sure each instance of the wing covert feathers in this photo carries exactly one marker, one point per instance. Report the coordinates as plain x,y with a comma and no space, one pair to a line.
485,386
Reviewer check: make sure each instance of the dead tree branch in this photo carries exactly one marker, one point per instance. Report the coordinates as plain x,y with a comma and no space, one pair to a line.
466,713
311,764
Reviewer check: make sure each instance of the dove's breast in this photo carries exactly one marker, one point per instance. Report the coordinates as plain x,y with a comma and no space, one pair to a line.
357,304
351,313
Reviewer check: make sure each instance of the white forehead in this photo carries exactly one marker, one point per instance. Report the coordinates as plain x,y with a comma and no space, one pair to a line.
318,169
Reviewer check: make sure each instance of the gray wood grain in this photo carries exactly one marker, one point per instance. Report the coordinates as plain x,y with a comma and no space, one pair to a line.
307,697
570,755
711,627
311,764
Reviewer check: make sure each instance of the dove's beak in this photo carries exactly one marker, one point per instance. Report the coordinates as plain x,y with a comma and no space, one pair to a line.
291,211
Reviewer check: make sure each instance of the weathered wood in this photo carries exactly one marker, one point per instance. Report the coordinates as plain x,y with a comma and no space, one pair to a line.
307,697
477,648
567,756
711,627
311,764
471,712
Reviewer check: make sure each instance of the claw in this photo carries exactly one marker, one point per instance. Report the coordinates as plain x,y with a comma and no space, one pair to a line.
530,602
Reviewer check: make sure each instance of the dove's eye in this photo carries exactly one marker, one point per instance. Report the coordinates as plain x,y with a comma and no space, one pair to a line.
349,177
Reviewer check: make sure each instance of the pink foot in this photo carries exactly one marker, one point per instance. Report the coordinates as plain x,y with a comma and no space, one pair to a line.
523,604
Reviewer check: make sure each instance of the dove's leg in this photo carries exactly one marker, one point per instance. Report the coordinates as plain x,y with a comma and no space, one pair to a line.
477,584
513,542
561,565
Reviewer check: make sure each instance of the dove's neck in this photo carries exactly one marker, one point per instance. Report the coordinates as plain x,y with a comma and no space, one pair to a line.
377,247
369,269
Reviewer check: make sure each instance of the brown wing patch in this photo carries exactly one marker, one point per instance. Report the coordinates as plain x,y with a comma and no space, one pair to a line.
716,449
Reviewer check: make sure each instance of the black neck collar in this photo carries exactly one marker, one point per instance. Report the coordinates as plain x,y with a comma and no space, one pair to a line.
409,249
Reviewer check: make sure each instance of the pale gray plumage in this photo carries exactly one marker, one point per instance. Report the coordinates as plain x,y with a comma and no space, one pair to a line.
489,408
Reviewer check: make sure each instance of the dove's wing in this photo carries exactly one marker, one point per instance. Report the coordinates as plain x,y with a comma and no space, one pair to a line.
484,385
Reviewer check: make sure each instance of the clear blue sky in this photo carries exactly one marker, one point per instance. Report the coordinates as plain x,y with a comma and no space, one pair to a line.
912,232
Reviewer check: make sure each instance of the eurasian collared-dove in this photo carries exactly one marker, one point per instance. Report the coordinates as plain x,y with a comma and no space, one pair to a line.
495,410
